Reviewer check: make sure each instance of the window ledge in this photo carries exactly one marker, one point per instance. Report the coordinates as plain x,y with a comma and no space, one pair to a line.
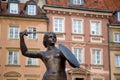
97,65
78,34
117,66
32,66
96,35
10,65
33,39
13,38
59,33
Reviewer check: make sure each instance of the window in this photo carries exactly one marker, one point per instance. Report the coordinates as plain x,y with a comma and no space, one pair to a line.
77,26
78,54
31,9
13,58
78,2
34,35
118,15
58,25
32,61
96,57
116,37
117,60
13,32
13,8
95,28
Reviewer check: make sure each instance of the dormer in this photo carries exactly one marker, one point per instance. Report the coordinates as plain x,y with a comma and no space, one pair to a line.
31,8
13,6
118,15
77,2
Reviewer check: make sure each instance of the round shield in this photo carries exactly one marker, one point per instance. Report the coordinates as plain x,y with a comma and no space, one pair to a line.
69,56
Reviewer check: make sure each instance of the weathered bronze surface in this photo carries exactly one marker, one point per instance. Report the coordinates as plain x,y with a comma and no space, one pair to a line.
53,58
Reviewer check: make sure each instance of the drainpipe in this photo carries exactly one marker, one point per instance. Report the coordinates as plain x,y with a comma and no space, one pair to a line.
109,52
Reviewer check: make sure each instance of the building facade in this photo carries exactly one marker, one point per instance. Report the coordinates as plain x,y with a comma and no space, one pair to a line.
114,45
14,18
89,28
82,27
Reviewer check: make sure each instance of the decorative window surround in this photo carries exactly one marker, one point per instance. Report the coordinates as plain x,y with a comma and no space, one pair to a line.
77,37
96,39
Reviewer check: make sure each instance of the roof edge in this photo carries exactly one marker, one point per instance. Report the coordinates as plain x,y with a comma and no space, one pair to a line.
84,9
113,24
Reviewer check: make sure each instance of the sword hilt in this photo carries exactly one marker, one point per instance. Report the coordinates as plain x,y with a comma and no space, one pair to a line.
34,32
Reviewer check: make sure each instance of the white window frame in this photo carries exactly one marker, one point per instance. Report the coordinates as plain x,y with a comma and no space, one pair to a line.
77,2
77,28
13,32
95,30
94,56
118,16
11,58
79,56
60,29
117,37
32,36
32,61
117,60
32,9
14,8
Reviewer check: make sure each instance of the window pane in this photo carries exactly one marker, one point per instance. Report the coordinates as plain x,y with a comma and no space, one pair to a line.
77,26
32,61
78,54
13,57
118,16
31,9
58,24
117,60
117,37
13,8
96,57
32,36
13,32
95,28
77,2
